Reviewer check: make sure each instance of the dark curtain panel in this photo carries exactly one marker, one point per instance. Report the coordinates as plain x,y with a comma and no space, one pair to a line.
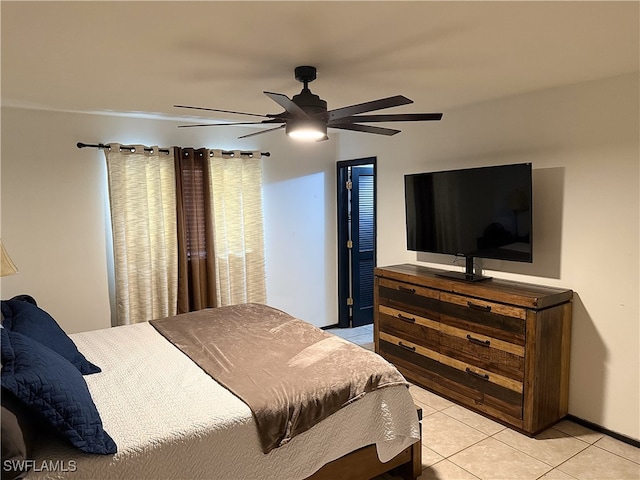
196,261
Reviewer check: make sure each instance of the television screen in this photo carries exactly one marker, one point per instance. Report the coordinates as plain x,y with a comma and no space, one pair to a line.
477,212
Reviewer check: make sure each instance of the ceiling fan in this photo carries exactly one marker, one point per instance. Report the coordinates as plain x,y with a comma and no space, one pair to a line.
306,116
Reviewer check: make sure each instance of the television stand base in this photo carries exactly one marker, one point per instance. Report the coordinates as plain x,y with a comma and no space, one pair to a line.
467,277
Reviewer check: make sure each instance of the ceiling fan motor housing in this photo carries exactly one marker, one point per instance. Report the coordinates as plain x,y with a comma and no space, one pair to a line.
312,104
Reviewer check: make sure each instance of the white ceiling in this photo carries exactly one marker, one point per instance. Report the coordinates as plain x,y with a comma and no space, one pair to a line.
147,56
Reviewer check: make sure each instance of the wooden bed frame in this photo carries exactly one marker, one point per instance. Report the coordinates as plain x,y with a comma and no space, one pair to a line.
363,464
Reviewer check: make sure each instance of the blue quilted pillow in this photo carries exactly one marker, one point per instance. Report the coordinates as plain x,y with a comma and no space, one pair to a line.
52,387
33,322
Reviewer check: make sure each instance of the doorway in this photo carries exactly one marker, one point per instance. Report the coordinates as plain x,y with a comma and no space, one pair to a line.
356,241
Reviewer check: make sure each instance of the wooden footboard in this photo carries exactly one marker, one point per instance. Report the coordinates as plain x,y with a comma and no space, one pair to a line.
363,464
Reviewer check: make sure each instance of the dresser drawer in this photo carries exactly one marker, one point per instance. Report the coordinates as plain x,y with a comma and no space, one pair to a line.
481,388
409,298
408,326
469,385
485,352
396,344
501,322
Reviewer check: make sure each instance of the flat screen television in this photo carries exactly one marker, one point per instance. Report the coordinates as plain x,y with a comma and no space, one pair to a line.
480,212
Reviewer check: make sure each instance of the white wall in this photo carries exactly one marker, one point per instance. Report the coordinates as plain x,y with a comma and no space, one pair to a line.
53,217
301,226
583,141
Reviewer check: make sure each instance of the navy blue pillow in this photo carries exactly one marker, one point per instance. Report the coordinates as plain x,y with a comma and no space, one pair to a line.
33,322
6,310
48,384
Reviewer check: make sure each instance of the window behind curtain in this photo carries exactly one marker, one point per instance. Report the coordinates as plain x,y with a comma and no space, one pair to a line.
193,198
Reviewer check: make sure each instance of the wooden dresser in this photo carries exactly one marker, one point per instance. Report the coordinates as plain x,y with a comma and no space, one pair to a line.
498,347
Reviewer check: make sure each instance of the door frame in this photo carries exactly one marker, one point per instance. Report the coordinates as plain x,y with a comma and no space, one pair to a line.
344,314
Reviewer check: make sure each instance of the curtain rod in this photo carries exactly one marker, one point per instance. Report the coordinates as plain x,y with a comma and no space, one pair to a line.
102,145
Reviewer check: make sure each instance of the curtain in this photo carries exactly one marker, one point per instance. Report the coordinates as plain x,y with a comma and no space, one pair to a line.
142,193
188,230
236,187
196,258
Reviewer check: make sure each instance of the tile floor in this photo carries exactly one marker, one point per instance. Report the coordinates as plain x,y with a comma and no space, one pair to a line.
458,444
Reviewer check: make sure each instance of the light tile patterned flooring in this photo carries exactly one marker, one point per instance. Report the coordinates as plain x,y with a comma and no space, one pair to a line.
458,444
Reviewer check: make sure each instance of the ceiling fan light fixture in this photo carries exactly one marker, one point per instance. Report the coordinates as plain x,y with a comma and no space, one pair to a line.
307,130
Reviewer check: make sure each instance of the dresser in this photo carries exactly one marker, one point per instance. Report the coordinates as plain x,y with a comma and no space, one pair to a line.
498,347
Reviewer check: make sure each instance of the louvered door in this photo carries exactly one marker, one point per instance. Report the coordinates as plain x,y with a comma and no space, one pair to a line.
363,231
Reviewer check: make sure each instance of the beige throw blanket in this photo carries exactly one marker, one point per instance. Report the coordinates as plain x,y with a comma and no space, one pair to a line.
290,373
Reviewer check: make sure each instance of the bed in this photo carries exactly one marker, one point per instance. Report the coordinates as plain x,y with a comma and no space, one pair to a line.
168,418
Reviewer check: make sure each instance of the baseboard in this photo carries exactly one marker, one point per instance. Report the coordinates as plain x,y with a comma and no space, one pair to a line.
597,428
327,327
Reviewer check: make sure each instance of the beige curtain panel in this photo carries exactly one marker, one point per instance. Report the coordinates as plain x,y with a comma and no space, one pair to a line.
143,216
236,186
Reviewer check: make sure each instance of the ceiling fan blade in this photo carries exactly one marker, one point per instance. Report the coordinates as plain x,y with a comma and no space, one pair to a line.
368,107
261,132
222,111
275,119
224,124
400,117
365,128
288,104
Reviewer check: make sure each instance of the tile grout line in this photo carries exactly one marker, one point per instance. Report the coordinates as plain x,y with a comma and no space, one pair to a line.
461,468
470,426
556,468
613,453
529,455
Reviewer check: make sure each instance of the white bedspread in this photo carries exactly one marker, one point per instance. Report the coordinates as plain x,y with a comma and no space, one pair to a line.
170,420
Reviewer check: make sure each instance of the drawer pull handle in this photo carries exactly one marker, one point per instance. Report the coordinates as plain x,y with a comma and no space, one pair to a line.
477,375
406,319
482,343
481,308
406,289
407,347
